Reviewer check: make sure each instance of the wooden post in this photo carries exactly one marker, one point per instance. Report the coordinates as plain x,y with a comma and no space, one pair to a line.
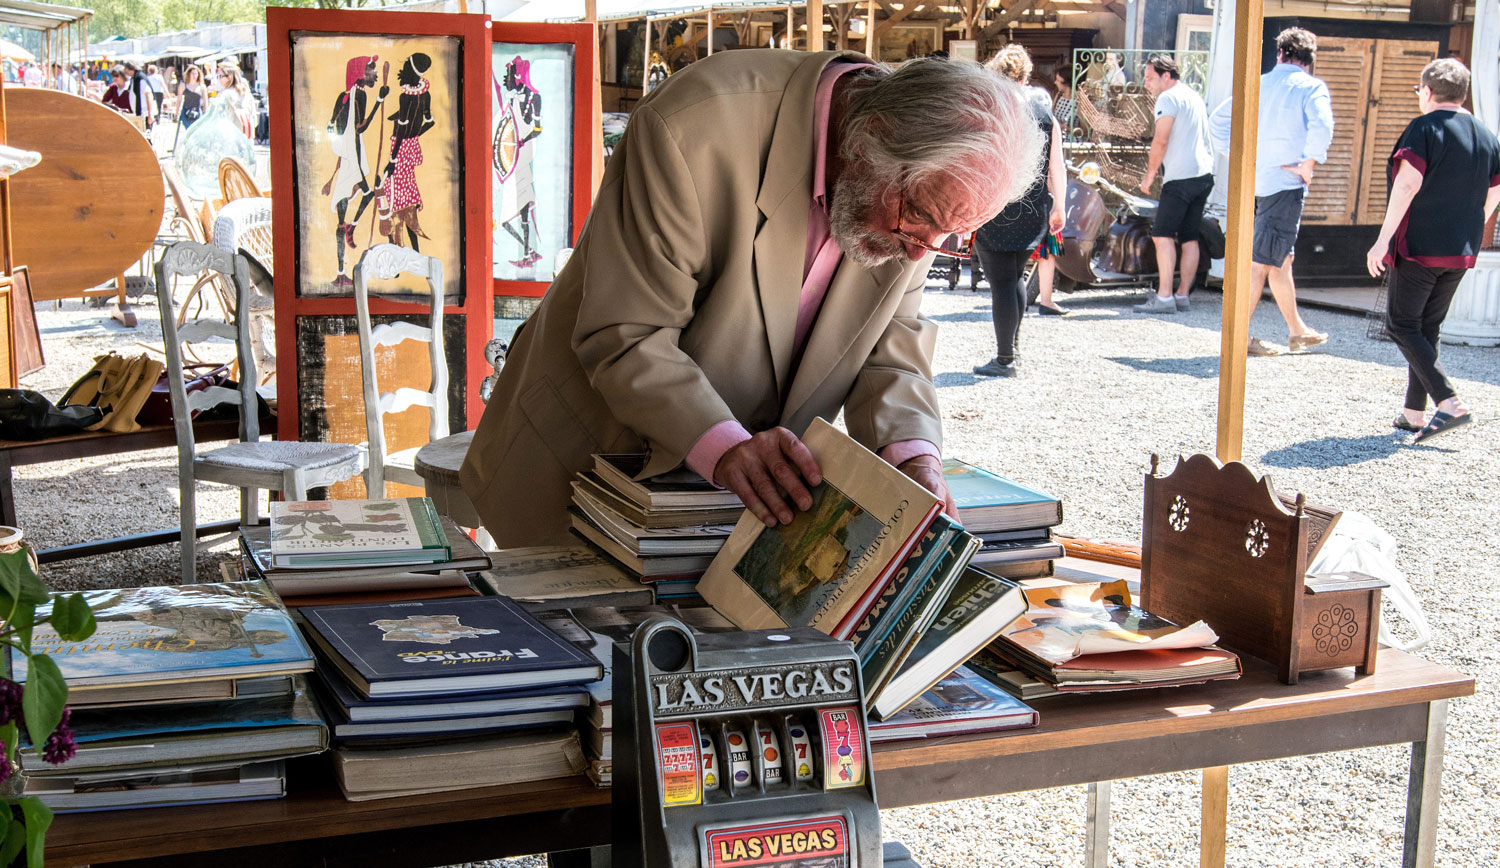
870,29
591,15
814,25
791,27
646,56
710,32
1211,840
1235,330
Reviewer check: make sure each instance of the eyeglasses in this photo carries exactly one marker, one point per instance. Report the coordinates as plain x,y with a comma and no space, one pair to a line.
1416,88
965,251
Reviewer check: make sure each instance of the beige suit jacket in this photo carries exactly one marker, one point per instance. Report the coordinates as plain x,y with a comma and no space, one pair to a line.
678,308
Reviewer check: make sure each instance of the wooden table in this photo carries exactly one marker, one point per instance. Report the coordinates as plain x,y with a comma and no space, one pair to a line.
1081,740
91,444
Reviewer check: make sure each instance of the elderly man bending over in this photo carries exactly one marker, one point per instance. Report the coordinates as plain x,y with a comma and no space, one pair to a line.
686,325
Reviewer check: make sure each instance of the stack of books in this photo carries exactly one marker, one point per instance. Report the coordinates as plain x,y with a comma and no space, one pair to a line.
1012,521
664,530
183,695
475,687
546,578
962,702
873,561
1090,636
347,551
595,630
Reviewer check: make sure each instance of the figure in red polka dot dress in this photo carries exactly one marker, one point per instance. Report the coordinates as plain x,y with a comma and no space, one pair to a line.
413,117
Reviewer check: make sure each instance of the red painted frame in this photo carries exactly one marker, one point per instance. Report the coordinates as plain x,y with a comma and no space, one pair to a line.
479,305
581,36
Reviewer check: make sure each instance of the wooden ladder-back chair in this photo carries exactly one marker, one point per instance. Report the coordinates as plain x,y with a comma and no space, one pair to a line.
244,226
187,224
382,262
236,182
251,464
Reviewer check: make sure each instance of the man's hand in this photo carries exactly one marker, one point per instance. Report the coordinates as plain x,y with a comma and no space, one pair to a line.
1303,170
927,470
766,470
1146,183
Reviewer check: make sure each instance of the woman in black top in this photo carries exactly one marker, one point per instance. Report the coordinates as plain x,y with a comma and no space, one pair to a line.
1445,182
1004,244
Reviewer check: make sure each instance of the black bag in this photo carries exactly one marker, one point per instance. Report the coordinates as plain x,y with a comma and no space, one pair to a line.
26,414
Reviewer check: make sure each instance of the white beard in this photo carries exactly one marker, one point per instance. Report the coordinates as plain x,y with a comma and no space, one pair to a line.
854,198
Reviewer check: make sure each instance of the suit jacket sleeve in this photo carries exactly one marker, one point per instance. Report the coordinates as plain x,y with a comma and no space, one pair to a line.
645,246
893,397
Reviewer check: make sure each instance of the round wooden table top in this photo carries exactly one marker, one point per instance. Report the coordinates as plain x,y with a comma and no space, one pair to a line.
93,205
438,461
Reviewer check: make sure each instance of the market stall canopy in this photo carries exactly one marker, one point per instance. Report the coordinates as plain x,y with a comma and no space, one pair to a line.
11,51
615,10
40,16
188,51
226,53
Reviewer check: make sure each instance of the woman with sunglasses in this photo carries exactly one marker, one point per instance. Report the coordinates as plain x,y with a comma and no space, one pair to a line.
1005,244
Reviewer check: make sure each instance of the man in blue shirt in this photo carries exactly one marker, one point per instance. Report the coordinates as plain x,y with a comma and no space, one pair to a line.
1294,129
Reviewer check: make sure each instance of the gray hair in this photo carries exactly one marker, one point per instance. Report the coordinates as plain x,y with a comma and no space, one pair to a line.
931,117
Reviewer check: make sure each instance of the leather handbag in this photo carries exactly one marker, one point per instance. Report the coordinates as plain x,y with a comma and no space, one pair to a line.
118,386
158,407
26,414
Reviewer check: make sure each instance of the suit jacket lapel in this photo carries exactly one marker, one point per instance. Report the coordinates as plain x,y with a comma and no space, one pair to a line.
853,298
784,199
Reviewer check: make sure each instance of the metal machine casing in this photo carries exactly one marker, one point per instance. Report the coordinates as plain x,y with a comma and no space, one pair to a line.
796,789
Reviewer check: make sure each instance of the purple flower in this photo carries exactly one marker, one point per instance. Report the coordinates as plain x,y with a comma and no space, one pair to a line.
4,766
60,746
10,702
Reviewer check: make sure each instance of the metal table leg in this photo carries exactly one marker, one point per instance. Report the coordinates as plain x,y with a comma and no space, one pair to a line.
1424,790
1096,842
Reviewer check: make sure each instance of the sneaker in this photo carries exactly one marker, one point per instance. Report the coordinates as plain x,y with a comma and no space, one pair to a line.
1297,343
1156,304
1181,302
1259,347
994,368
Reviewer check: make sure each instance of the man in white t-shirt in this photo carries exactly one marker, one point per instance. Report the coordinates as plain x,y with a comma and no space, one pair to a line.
1180,149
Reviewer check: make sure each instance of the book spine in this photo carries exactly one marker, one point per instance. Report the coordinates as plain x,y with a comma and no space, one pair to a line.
887,656
429,526
904,587
866,601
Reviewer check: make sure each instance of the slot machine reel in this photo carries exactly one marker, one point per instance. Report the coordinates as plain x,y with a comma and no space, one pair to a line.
742,749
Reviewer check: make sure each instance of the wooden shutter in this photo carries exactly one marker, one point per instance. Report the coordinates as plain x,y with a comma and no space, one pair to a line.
1398,66
1344,65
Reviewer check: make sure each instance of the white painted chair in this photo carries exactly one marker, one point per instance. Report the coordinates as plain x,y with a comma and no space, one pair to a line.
245,225
251,464
383,262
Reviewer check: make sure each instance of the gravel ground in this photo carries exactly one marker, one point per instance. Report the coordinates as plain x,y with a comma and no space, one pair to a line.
1098,392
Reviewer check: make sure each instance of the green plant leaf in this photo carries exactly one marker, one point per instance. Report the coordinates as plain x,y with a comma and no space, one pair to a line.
46,694
72,618
23,621
19,580
38,818
15,839
11,735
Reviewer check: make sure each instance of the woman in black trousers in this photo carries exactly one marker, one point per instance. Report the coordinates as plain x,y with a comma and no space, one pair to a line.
1004,244
1445,182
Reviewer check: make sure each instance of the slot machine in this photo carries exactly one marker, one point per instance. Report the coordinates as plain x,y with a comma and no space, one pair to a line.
743,749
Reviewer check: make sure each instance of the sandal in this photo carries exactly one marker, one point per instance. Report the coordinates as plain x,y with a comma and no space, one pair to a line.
1441,423
1402,424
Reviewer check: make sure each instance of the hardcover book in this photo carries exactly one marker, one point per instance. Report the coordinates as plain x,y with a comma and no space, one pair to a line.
273,727
656,517
385,532
924,558
681,488
824,569
977,609
647,567
466,645
487,761
172,786
343,701
880,661
962,702
685,540
990,502
255,543
559,577
205,634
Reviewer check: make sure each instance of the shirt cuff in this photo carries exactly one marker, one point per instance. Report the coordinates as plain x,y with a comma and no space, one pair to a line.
703,458
902,451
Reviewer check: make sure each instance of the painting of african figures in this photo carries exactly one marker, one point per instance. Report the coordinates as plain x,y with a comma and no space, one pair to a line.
532,160
376,148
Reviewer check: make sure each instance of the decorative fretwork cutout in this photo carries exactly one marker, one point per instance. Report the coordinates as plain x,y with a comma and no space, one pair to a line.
1178,516
1257,539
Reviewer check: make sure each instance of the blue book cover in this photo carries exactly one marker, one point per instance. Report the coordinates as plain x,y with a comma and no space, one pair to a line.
962,702
208,631
463,645
904,585
92,726
343,700
990,502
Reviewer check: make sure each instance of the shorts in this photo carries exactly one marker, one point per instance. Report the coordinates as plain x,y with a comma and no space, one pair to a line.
1180,211
1277,219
